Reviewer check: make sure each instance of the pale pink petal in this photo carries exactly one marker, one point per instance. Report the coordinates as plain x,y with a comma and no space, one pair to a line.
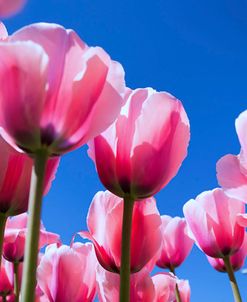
184,290
231,178
3,32
164,284
27,74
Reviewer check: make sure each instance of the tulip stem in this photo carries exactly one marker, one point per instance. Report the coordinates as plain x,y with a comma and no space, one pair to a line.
16,281
233,282
32,241
3,219
177,293
125,250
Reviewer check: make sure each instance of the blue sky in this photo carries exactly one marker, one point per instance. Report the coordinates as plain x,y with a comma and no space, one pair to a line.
195,50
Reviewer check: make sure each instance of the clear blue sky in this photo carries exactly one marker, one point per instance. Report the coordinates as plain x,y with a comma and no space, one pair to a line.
196,50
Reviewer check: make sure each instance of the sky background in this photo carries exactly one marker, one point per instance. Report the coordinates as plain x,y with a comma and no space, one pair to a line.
195,50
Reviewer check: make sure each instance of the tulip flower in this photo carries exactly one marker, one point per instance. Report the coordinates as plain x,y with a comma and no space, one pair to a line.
15,236
10,7
236,260
14,241
42,66
176,243
213,219
164,284
232,169
104,222
6,279
68,273
15,178
135,161
141,286
56,94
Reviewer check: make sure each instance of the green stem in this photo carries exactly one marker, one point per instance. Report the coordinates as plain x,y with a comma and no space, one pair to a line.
3,219
177,293
233,282
32,240
125,250
16,281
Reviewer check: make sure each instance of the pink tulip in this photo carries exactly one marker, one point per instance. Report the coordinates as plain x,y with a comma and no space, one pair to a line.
176,244
104,222
15,237
213,220
141,286
143,150
15,176
68,273
184,290
3,32
164,284
232,169
236,260
56,92
10,7
6,278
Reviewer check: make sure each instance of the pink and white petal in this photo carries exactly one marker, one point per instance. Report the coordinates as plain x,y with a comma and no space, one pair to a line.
3,32
27,73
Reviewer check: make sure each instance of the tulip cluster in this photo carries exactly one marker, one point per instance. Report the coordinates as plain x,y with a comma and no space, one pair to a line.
58,94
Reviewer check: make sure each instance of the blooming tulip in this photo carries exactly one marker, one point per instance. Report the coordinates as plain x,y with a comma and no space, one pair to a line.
10,7
137,160
232,169
56,92
141,286
68,273
6,278
164,285
104,222
237,260
15,177
213,220
176,244
15,236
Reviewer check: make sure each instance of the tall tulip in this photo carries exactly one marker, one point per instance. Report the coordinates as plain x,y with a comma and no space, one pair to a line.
236,260
104,222
213,218
232,169
6,280
14,241
15,179
176,243
135,161
15,236
68,273
56,94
